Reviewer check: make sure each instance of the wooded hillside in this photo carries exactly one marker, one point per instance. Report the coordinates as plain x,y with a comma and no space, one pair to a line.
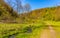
7,14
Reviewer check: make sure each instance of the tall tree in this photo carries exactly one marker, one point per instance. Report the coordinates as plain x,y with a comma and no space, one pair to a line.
19,6
27,7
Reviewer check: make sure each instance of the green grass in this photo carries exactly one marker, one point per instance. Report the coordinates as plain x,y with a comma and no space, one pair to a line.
34,34
54,22
20,30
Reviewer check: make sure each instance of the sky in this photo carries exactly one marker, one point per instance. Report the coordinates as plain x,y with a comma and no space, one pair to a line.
37,4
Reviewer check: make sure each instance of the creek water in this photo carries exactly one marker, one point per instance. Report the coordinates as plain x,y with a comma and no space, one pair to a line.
13,36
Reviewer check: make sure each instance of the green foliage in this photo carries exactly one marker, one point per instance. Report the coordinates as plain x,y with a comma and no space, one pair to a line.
52,13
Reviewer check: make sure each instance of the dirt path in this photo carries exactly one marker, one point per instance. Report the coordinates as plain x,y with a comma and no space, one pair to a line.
45,34
50,33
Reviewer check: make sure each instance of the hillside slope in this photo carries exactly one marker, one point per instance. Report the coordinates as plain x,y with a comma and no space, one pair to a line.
6,12
50,13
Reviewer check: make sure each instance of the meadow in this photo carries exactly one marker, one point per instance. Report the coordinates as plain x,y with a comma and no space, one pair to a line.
32,30
20,30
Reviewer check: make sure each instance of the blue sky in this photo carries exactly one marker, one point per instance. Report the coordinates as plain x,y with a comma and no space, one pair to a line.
36,4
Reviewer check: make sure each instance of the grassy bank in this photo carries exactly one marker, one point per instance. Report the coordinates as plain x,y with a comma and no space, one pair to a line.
21,30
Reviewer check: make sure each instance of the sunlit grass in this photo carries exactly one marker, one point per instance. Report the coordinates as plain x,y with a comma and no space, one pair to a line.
35,34
10,29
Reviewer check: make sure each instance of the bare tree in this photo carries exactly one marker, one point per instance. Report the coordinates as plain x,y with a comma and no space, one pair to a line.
27,7
16,4
9,2
19,6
